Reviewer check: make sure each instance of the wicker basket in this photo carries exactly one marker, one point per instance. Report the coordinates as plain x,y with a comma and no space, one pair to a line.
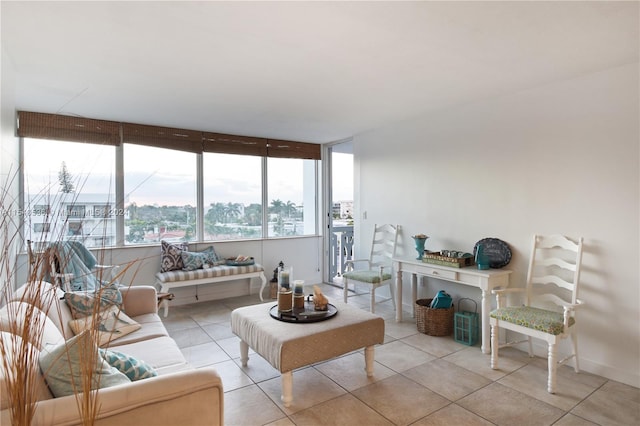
434,322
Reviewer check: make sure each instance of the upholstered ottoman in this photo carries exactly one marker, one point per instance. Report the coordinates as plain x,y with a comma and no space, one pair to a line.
287,346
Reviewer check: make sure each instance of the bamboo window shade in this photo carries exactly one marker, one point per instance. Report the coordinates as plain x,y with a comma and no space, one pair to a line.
290,149
68,128
79,129
231,144
162,137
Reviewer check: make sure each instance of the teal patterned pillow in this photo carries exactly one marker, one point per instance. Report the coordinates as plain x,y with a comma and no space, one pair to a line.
211,257
198,260
191,261
83,303
133,368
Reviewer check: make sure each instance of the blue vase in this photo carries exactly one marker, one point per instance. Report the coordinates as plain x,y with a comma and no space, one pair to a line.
420,246
482,261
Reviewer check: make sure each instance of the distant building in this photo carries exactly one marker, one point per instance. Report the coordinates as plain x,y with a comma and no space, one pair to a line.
342,209
335,210
90,218
346,209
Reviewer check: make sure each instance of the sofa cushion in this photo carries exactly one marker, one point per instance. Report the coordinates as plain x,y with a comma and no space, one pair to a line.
62,366
111,325
215,272
47,297
149,319
135,369
148,330
162,353
549,322
14,346
39,329
170,258
84,303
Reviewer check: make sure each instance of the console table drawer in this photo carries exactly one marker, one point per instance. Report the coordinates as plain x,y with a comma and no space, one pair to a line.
439,273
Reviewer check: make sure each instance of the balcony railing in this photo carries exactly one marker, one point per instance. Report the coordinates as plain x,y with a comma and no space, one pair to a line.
341,249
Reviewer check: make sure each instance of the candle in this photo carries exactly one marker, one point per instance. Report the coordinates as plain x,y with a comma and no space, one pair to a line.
284,278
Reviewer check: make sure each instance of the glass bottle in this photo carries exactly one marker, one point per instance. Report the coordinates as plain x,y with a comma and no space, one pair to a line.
482,261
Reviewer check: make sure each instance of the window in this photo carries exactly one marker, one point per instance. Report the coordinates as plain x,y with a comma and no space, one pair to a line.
41,227
75,228
160,194
62,181
172,184
292,197
41,210
75,211
102,210
232,196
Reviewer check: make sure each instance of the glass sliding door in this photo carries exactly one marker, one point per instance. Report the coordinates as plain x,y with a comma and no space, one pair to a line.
339,210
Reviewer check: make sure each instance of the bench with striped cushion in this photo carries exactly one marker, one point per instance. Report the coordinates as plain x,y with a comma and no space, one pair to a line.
176,279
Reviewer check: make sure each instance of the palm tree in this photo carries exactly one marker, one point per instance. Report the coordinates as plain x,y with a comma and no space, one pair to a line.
276,207
231,211
253,214
216,213
289,208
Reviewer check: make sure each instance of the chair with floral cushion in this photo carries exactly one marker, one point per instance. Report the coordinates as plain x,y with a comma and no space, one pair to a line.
378,266
550,301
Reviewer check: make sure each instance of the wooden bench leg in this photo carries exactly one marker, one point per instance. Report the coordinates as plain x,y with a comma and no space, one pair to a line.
287,388
163,301
263,278
244,353
368,360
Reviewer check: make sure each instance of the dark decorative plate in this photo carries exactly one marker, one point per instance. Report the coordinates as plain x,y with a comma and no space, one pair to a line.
496,250
306,314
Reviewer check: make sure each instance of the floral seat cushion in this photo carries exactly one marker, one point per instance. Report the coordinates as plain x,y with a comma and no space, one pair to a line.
367,276
538,319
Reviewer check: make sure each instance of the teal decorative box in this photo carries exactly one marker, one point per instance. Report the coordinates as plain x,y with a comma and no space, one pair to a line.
466,324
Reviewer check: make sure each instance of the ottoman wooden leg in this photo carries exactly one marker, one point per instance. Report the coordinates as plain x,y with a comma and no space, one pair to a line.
244,353
287,388
368,360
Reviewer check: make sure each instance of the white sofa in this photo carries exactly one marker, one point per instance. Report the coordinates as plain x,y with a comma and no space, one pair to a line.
179,394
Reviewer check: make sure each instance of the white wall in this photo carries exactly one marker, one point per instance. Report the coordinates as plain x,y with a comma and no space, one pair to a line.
562,158
9,161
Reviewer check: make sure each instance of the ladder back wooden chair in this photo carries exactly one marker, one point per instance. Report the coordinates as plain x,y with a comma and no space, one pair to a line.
375,271
549,305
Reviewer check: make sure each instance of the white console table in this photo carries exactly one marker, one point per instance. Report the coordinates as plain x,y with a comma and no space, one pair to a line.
485,280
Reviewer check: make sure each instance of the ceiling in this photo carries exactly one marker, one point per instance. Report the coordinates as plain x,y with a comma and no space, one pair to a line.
310,71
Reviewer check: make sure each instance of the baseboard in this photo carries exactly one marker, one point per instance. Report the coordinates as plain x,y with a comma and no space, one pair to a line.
631,378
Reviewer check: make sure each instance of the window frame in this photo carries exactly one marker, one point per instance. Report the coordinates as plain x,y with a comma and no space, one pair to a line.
200,208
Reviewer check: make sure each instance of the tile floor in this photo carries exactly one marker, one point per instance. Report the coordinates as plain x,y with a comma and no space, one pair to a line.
418,380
